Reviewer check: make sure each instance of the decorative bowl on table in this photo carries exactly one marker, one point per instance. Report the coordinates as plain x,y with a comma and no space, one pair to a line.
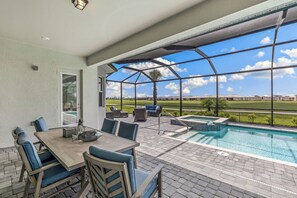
88,136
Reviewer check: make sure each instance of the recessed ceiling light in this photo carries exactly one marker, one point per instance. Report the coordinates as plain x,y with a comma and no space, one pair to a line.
45,38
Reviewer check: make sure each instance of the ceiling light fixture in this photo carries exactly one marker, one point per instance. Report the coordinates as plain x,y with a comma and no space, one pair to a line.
80,4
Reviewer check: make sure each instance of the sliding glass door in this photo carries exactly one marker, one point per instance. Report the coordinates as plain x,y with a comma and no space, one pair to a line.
69,96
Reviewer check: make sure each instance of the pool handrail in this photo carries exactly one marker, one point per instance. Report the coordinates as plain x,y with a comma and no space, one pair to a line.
166,113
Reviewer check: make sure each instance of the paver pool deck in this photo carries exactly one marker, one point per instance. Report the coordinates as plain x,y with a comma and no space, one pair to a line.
191,170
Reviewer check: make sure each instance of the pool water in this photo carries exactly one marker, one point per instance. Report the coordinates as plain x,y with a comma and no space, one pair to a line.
263,142
197,118
72,112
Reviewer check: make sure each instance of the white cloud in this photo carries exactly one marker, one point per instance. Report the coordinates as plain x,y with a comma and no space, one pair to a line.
265,40
164,71
292,53
233,49
186,90
141,95
230,89
279,73
172,86
236,77
194,83
222,79
113,89
221,86
260,54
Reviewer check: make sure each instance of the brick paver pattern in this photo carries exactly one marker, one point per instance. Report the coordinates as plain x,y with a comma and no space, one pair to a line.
190,170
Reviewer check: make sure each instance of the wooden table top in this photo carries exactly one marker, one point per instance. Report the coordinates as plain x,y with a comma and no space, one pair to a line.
69,153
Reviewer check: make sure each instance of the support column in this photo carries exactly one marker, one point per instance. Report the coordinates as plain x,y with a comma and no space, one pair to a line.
180,97
135,96
217,95
121,96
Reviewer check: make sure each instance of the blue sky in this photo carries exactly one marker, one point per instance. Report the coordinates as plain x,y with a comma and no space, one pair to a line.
247,84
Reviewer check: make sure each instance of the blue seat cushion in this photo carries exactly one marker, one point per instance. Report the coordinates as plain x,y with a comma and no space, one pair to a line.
46,158
140,177
41,124
109,126
55,174
128,152
116,157
128,130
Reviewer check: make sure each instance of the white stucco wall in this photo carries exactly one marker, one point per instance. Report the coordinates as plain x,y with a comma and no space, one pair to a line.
26,94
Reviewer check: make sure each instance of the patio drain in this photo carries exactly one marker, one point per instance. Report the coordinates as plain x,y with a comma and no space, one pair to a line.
222,153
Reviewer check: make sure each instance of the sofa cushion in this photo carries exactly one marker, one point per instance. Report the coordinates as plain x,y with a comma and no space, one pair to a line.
150,107
116,157
140,177
40,124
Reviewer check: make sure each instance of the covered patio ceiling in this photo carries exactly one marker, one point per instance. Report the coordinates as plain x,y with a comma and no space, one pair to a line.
194,50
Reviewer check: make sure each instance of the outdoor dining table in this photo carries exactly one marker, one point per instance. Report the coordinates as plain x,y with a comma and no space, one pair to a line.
70,153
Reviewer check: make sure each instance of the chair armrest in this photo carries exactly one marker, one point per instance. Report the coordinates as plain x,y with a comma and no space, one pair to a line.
51,165
42,151
38,142
56,128
147,181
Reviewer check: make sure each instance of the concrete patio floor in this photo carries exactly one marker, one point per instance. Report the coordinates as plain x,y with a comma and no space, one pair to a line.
190,170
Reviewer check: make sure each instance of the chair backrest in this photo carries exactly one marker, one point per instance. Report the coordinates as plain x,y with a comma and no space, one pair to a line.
28,152
111,174
128,130
40,125
140,110
109,126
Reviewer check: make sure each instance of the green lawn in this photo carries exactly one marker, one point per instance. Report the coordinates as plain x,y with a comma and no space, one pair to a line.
261,118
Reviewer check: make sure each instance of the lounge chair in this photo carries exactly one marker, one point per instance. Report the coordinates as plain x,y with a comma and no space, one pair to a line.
140,114
118,113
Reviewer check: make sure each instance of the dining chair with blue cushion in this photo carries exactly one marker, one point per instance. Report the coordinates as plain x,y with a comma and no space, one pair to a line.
113,174
45,156
129,131
44,176
40,125
109,126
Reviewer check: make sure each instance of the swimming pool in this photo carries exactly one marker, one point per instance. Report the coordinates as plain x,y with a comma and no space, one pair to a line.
273,144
